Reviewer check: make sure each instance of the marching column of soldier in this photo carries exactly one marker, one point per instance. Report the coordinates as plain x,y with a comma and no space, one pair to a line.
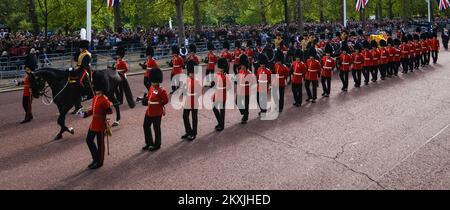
297,63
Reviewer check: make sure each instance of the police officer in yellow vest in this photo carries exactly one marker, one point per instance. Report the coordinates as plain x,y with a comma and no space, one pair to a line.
81,75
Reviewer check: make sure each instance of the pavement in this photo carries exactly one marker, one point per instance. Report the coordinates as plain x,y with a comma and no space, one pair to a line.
393,134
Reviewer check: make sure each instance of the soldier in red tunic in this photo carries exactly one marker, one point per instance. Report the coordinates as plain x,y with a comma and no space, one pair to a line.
250,54
177,64
367,65
211,60
404,52
418,53
157,99
375,60
227,55
390,50
312,75
428,38
192,54
282,73
245,80
328,65
299,69
345,61
101,107
263,77
150,64
435,47
192,93
357,66
384,59
396,51
222,83
124,86
412,52
236,54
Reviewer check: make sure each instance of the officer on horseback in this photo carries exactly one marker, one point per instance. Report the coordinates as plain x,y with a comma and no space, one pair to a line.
80,77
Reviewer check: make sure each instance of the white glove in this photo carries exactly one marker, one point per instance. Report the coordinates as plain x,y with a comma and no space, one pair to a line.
81,114
15,82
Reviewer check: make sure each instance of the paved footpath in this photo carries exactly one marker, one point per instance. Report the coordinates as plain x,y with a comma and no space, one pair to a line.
390,135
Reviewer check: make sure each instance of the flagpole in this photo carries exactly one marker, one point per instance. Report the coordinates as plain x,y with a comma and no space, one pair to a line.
345,13
88,20
429,11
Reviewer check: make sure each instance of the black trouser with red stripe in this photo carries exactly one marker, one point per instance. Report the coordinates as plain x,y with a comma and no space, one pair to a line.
374,71
26,103
326,85
357,77
311,94
344,78
97,151
297,92
383,70
366,74
405,64
156,122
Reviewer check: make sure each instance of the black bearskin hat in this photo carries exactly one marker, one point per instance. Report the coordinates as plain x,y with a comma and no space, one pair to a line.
210,46
366,44
222,63
120,51
226,45
410,37
190,66
383,43
262,59
84,44
192,48
175,50
312,52
404,39
99,82
299,53
416,37
357,47
390,41
279,56
149,51
328,49
156,75
344,47
243,60
397,42
374,44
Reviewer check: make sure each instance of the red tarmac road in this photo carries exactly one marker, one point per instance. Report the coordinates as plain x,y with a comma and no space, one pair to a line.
390,135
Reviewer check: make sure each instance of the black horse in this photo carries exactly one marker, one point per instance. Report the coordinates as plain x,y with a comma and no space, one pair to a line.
65,94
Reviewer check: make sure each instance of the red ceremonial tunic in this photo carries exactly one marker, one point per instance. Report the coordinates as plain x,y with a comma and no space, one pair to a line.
328,64
418,47
425,48
367,55
250,54
435,45
193,92
194,58
299,69
282,72
264,77
384,56
358,60
157,98
121,67
212,60
404,51
100,108
222,81
227,55
178,63
412,50
313,69
397,54
26,85
375,57
346,61
245,80
237,53
151,64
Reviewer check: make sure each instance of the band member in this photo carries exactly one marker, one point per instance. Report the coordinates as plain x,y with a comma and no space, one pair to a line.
397,56
245,80
263,77
345,61
384,59
236,54
124,86
177,64
250,54
358,60
367,65
192,54
211,60
222,83
150,64
157,99
435,46
312,75
282,72
375,60
101,106
227,55
193,92
81,75
405,53
299,69
328,65
412,52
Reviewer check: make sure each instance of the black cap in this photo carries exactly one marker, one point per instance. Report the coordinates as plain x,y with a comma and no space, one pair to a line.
390,41
357,46
410,37
397,42
374,44
312,52
366,44
344,47
156,75
226,45
416,37
237,44
99,82
404,39
383,43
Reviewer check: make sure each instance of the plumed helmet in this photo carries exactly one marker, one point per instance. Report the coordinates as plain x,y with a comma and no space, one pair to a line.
279,56
328,49
156,75
299,53
210,46
243,60
357,47
120,51
175,50
262,59
383,43
312,52
192,48
222,63
190,66
374,44
149,51
84,44
226,45
237,44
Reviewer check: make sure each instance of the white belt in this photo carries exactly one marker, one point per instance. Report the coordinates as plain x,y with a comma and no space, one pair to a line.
152,102
176,66
149,68
212,63
326,67
262,81
245,85
397,55
383,57
298,74
345,63
191,94
367,59
375,59
405,51
357,62
313,70
121,70
221,88
281,77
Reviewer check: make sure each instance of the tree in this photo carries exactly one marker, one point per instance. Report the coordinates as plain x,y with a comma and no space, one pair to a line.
117,17
196,14
300,16
46,12
181,32
33,16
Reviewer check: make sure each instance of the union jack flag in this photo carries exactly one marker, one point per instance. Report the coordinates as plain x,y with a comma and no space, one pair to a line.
443,4
111,3
361,4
